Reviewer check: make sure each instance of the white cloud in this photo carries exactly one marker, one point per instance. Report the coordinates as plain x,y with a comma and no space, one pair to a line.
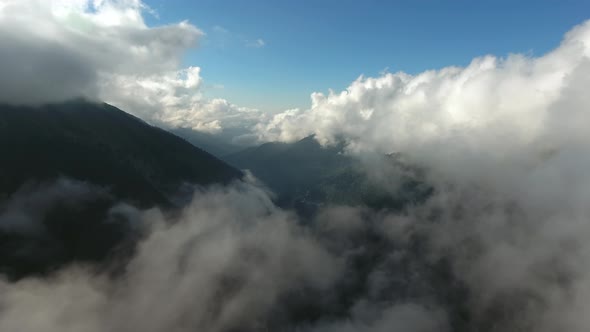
505,142
57,50
456,112
258,43
173,99
104,50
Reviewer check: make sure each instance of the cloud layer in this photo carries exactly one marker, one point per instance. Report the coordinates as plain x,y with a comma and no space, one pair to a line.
505,143
223,264
104,50
516,98
471,258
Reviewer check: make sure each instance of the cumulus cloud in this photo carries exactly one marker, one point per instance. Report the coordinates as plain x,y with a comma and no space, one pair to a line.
90,39
504,142
105,50
173,100
58,50
516,98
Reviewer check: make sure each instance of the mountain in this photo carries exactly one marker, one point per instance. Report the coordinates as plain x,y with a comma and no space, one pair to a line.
305,175
291,169
66,170
103,145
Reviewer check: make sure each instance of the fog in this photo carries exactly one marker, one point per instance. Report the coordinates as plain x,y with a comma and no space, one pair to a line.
471,258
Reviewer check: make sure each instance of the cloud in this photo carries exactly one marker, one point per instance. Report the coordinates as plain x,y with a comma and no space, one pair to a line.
104,50
258,43
224,263
23,212
407,317
231,259
476,256
174,100
81,43
469,259
46,225
512,98
504,142
59,50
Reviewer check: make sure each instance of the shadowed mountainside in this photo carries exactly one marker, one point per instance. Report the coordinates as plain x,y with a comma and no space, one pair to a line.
66,169
103,145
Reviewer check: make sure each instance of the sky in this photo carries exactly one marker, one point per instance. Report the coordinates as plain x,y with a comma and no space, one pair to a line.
271,55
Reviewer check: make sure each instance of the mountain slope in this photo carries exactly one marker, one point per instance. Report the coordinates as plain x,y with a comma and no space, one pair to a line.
65,169
103,145
291,169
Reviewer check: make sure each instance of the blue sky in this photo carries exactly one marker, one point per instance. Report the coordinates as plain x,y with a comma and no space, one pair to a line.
315,45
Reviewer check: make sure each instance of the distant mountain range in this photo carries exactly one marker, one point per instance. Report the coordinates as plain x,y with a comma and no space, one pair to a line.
305,175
